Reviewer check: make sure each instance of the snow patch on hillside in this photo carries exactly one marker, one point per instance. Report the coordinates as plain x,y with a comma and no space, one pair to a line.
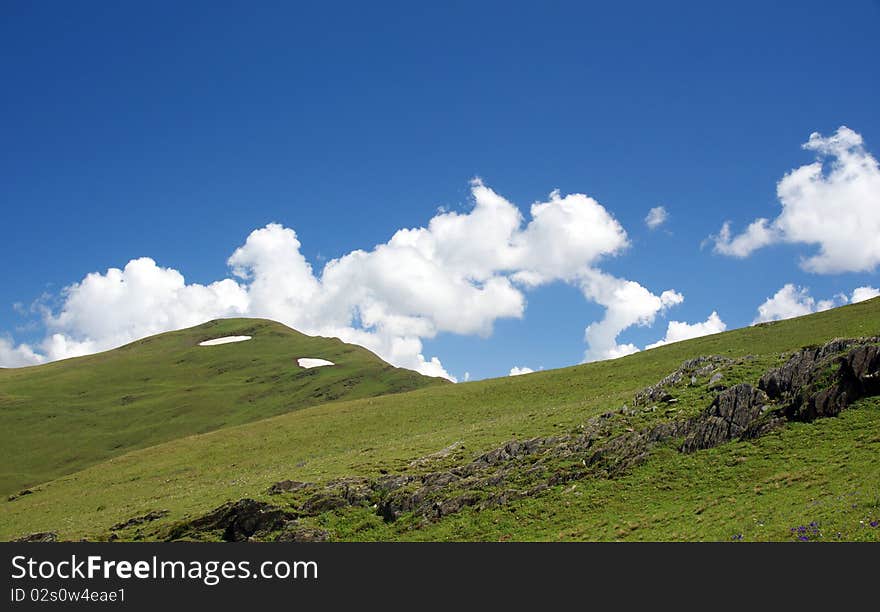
224,340
311,362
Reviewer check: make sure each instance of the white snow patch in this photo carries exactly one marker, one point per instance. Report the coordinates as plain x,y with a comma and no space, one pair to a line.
311,362
224,340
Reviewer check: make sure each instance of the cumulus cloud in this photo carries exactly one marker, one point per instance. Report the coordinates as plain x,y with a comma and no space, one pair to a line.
107,310
656,217
12,356
677,331
459,274
792,301
860,294
758,234
832,203
626,303
519,371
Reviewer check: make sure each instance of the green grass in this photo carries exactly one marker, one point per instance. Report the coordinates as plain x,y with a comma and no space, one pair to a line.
191,475
62,417
825,473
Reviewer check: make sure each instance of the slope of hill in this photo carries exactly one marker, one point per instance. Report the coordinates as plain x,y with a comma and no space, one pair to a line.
794,475
61,417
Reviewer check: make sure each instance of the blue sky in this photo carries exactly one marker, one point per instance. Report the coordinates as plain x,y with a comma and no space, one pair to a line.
172,132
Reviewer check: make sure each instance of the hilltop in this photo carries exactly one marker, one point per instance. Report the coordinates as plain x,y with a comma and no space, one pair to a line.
62,417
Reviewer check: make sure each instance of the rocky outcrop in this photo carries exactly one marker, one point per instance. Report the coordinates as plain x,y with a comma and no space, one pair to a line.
691,370
21,493
821,381
294,532
42,536
140,520
237,521
735,413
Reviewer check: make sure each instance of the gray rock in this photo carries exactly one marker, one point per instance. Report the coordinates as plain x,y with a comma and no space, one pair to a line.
294,532
323,502
821,381
729,416
451,506
392,482
691,370
140,520
42,536
288,486
239,521
716,382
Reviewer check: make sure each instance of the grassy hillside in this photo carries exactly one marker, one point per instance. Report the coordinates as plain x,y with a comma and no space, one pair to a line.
822,477
61,417
663,498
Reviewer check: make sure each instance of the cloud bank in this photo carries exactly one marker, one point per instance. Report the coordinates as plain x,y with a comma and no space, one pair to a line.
459,274
794,301
12,356
519,371
832,203
860,294
677,331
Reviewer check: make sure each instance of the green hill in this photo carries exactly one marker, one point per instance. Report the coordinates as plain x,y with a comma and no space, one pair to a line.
61,417
367,461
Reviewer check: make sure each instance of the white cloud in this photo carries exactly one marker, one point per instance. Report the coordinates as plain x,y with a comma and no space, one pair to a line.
758,234
677,331
466,377
459,274
833,203
860,294
656,217
567,235
519,371
107,310
12,356
626,303
792,301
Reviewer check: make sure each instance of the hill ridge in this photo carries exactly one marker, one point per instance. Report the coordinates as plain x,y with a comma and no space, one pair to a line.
63,416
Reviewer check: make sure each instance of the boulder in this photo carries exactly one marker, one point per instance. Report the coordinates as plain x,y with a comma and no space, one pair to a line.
716,382
238,520
730,416
392,482
323,502
42,536
821,381
294,532
140,520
